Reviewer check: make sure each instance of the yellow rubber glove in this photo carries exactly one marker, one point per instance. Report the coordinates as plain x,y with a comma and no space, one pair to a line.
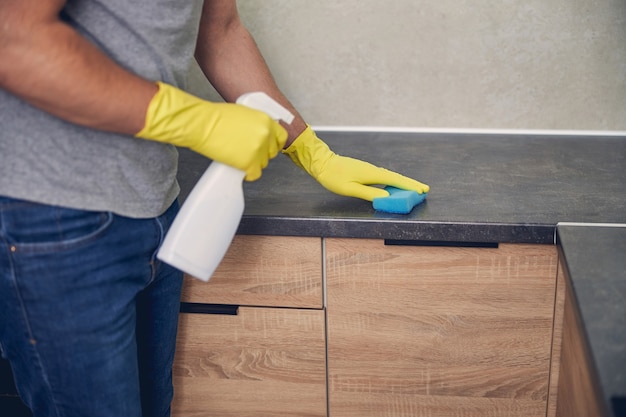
229,133
343,175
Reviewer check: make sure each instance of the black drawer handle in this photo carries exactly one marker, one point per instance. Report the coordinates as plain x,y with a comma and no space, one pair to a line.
199,308
394,242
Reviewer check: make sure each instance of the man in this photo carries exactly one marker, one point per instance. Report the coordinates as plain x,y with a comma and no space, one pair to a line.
91,104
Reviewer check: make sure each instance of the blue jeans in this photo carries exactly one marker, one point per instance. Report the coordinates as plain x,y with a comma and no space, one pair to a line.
88,315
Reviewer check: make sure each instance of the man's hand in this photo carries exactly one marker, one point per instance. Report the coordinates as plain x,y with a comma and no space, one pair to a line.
343,175
229,133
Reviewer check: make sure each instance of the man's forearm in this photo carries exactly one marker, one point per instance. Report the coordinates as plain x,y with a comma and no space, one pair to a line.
230,59
49,65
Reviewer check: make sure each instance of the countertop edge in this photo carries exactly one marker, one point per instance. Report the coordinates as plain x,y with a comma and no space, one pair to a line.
398,229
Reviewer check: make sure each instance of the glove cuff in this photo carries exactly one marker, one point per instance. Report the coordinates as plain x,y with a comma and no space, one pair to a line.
309,153
163,117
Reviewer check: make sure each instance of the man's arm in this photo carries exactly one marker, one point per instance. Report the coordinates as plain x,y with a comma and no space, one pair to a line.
230,59
232,62
49,65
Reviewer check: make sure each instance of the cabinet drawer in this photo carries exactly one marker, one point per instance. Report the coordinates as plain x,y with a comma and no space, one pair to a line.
264,271
439,331
261,362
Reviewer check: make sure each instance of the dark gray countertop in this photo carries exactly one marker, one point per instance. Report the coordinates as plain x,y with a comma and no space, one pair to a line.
595,259
484,188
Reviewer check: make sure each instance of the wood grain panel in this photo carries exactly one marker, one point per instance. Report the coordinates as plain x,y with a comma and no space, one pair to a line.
264,271
263,362
578,392
390,405
437,331
557,341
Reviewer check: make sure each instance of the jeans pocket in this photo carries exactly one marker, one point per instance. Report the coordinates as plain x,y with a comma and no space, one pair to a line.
36,228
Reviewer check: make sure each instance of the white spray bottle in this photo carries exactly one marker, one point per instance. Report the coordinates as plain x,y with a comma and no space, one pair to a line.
206,224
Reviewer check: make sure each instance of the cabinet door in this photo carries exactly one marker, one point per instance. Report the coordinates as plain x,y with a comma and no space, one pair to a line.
263,362
439,331
579,393
264,271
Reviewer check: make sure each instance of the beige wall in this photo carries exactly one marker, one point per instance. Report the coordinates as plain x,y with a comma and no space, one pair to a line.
495,64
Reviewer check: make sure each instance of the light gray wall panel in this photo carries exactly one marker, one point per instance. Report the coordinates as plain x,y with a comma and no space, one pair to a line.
501,64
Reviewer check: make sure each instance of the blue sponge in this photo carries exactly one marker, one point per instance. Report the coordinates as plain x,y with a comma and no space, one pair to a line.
399,201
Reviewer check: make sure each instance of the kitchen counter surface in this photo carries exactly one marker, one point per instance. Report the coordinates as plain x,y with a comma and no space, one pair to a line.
484,188
596,264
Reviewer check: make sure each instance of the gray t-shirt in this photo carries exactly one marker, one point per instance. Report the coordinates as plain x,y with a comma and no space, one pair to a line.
47,160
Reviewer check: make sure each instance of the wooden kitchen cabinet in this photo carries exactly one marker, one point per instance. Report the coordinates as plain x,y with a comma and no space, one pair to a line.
439,331
409,331
578,388
269,359
264,271
263,362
